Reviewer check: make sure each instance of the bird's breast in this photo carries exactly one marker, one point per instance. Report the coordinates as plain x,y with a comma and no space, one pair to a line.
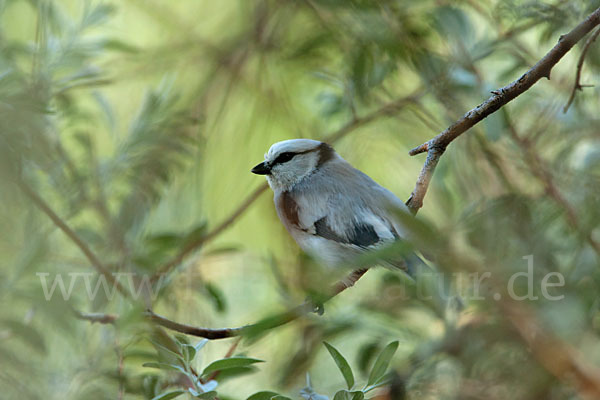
288,210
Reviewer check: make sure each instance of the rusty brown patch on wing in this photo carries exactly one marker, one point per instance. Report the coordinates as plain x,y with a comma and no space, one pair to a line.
326,153
290,208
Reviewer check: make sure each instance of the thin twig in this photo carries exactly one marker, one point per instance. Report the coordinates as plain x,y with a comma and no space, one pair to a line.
270,323
121,378
100,318
194,245
578,86
387,109
555,355
67,230
437,146
207,333
539,170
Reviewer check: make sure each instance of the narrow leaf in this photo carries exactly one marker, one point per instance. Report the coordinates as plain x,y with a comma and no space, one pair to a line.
342,364
346,395
382,363
28,334
163,366
263,396
189,351
231,362
165,345
216,295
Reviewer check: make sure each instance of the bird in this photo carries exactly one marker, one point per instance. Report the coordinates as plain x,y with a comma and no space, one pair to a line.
334,212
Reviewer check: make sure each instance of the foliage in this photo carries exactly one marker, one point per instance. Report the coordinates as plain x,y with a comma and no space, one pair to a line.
136,124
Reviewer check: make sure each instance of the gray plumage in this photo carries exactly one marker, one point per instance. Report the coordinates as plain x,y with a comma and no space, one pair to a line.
333,211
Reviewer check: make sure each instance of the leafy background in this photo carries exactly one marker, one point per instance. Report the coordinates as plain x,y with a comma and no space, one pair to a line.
137,122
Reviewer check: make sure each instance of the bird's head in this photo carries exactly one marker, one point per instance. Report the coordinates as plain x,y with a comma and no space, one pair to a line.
288,162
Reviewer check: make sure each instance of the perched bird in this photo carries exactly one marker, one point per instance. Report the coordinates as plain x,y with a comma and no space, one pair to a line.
333,211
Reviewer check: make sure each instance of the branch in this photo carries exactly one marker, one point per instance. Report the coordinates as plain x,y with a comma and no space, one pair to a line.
540,171
578,86
266,324
355,123
437,146
207,333
67,230
223,333
556,356
385,110
96,317
175,261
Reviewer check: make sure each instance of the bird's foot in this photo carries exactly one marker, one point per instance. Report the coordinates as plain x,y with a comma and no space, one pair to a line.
317,306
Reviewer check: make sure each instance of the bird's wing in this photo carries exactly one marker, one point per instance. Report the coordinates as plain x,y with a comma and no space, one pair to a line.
367,232
361,234
344,205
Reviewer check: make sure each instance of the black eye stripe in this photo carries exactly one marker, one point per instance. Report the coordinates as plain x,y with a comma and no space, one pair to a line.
284,157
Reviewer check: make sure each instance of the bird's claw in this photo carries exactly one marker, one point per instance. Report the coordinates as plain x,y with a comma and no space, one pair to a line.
316,306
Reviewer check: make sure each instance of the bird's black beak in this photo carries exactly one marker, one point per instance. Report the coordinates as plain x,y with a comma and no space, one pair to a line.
261,169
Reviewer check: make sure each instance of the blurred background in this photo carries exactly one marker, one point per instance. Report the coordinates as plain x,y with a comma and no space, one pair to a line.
127,132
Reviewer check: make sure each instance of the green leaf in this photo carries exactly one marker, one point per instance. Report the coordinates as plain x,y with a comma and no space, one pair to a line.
97,15
182,339
194,235
382,363
366,354
231,362
165,352
169,395
26,333
163,241
164,366
342,364
231,373
453,23
216,295
189,352
121,46
346,395
266,395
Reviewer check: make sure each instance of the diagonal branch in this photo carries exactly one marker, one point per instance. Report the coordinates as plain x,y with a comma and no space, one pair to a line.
100,318
207,333
194,245
223,333
543,174
558,357
577,85
437,146
267,324
67,230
